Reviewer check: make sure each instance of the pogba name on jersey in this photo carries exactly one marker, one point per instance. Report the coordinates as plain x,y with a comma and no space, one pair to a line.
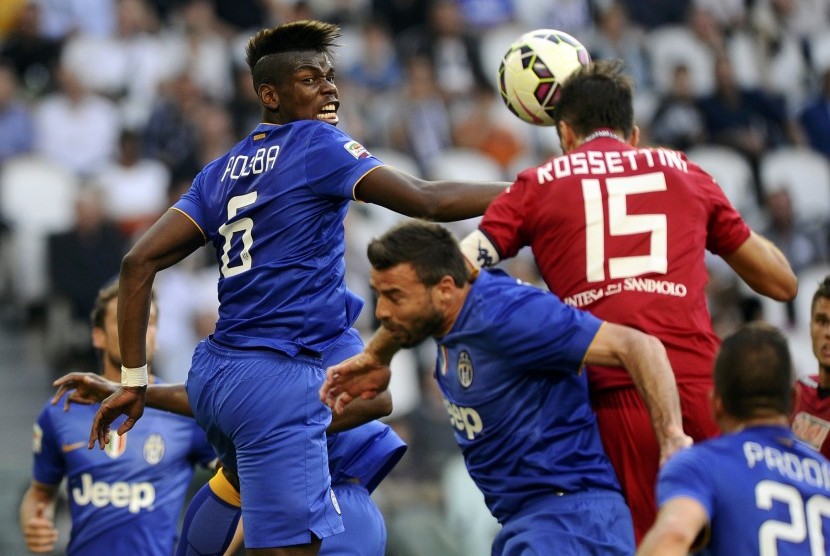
608,162
242,165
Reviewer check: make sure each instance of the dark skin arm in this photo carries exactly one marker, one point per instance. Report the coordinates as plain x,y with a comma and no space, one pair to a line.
89,388
172,238
441,201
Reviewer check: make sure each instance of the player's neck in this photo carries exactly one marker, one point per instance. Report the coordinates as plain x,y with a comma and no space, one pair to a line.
604,132
731,425
823,376
453,310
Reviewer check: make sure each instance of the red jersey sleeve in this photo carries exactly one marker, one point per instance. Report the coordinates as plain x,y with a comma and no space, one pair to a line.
503,222
726,229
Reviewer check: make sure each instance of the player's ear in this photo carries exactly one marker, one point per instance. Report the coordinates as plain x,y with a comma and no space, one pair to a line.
445,287
634,139
99,340
718,411
269,97
567,137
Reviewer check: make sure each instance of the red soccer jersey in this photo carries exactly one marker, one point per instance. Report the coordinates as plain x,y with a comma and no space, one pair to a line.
811,415
622,232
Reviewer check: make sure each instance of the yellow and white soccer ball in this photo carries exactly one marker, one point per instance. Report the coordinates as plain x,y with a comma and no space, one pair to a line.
533,70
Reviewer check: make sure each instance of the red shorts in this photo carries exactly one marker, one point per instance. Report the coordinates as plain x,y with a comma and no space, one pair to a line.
631,446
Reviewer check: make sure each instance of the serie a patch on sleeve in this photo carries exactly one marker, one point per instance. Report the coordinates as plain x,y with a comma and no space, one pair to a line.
356,150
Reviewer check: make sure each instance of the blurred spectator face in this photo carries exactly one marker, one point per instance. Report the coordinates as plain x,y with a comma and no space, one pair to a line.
134,17
724,76
705,26
28,23
446,18
784,8
682,83
198,17
129,148
421,78
780,209
8,85
820,331
70,84
89,210
613,21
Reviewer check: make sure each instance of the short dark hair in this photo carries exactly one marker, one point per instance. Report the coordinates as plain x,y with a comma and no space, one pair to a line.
597,96
106,294
823,290
296,36
753,372
430,248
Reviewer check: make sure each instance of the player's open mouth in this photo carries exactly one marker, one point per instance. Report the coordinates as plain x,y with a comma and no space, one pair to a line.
328,113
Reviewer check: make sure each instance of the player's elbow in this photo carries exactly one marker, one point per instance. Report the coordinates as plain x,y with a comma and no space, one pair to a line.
784,288
670,535
383,405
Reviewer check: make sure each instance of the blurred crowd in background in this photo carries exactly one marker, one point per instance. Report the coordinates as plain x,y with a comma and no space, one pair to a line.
109,108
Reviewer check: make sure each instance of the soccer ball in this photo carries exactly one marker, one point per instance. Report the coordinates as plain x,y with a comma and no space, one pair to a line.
534,68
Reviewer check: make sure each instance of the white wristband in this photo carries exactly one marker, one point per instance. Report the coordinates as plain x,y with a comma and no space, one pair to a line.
134,377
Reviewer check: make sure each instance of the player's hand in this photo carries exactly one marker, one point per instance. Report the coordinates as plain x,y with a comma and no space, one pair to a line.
126,400
83,388
39,532
360,376
672,444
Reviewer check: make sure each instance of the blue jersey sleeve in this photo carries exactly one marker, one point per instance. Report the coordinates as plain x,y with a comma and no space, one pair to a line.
686,474
191,204
49,463
335,162
566,335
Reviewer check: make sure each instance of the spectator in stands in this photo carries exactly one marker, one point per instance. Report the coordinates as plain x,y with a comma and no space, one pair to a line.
616,37
678,122
749,120
134,187
82,259
422,125
815,117
76,128
33,56
16,123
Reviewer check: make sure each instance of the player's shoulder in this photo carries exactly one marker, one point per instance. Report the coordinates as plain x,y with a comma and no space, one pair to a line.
496,291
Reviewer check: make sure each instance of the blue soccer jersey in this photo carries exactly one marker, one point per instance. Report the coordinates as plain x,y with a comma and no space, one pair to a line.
764,492
516,398
125,499
273,208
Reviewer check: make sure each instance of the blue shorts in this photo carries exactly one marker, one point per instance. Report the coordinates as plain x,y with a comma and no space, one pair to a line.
582,524
263,416
365,533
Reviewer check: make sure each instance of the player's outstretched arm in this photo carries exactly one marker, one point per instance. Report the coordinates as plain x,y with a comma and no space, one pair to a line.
37,518
764,268
645,359
89,388
442,201
679,524
172,238
360,411
364,375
